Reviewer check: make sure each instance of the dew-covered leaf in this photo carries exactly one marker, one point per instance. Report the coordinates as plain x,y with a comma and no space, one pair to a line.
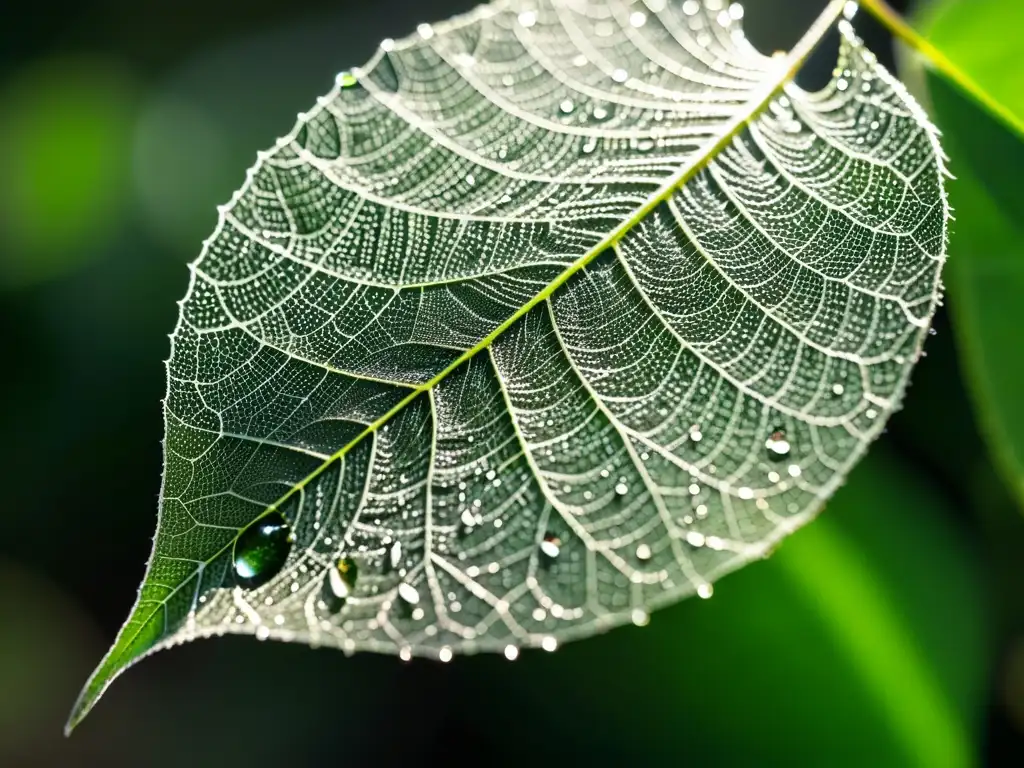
549,316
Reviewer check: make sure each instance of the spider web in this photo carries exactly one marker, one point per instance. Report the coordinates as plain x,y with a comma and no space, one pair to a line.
465,328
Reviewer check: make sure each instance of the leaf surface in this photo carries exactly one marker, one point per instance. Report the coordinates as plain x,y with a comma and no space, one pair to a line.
551,315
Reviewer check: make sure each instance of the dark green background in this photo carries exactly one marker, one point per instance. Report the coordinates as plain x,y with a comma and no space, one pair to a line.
888,633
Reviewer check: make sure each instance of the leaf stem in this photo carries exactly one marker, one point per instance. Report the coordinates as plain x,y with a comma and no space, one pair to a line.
898,26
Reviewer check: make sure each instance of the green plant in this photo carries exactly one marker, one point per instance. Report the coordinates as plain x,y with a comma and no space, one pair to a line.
673,359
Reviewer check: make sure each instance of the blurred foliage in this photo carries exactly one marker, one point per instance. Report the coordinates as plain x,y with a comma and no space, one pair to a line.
64,124
867,639
986,271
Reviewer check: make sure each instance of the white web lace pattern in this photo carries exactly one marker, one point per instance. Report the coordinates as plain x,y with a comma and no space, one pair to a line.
549,316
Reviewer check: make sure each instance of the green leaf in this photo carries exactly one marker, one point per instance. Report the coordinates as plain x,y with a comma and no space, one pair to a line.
984,134
548,317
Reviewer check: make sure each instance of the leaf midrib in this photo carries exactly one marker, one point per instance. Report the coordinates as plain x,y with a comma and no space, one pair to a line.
788,65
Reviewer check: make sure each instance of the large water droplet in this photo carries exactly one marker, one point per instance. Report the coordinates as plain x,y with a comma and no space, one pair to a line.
261,550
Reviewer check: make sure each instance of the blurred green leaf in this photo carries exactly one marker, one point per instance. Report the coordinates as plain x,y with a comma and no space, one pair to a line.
986,266
64,125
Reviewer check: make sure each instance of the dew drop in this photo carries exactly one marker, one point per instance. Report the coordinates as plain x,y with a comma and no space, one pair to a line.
395,555
408,593
528,18
621,489
777,445
704,591
341,580
643,552
640,617
550,547
445,654
261,550
346,80
549,643
695,539
838,389
511,652
566,107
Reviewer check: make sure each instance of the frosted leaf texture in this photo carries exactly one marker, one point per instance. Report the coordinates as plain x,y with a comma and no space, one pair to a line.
549,316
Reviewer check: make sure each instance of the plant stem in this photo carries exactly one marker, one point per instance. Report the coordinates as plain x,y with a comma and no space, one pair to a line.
896,24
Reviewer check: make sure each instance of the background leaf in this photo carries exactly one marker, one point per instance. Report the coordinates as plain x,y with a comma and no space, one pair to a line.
986,273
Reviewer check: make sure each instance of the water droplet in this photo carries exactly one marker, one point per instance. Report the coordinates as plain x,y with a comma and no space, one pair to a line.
640,617
550,547
394,558
621,489
777,445
704,591
549,643
511,652
445,654
838,389
695,539
261,550
566,107
341,580
528,18
643,552
408,593
346,80
638,18
619,76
